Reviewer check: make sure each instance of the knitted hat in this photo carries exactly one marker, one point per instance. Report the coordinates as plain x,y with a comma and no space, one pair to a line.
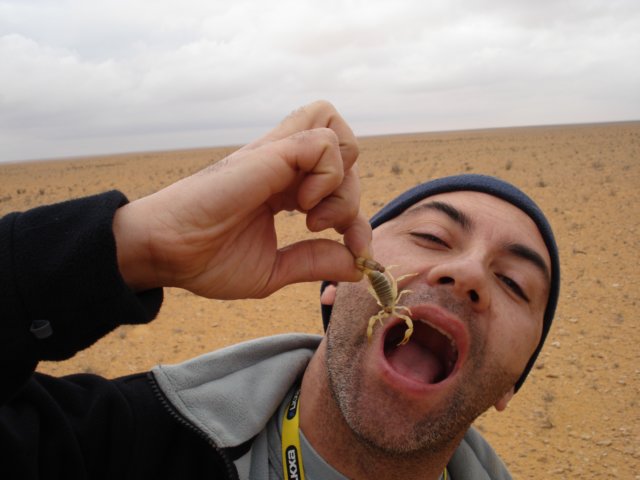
497,188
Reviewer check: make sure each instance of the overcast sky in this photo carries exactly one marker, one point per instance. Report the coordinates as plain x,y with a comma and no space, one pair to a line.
89,77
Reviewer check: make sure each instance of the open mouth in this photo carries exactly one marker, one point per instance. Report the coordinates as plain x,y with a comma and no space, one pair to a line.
429,357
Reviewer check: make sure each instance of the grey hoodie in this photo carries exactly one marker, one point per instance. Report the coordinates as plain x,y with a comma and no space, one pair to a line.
231,394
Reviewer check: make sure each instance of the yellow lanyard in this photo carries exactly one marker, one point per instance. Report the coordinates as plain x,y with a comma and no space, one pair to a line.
291,453
292,467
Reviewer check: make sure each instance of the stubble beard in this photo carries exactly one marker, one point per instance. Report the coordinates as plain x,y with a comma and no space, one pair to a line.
376,418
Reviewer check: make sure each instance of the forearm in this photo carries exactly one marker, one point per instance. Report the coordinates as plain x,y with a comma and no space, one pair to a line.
59,272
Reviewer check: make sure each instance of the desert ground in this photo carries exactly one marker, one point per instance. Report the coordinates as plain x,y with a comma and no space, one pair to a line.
578,414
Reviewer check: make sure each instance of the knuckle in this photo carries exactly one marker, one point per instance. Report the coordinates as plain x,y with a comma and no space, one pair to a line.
323,104
329,135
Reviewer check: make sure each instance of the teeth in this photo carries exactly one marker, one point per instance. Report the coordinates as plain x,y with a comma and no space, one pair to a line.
454,349
451,340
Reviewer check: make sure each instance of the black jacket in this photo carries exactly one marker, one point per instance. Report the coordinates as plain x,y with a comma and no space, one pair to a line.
60,291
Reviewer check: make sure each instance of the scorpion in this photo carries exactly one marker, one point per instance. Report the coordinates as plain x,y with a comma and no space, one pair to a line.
384,288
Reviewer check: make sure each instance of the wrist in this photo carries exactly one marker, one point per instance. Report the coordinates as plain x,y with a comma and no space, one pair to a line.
132,248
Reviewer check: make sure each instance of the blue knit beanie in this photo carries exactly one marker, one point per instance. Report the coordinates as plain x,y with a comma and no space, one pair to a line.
497,188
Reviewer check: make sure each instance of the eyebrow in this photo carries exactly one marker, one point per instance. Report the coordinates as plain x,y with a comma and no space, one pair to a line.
463,220
452,212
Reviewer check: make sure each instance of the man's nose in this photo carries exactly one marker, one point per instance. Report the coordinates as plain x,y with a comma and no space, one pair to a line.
468,279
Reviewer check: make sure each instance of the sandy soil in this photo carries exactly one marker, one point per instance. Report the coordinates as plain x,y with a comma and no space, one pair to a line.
577,415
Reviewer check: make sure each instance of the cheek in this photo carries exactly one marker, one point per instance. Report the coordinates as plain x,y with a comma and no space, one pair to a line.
397,252
381,249
348,293
516,341
353,301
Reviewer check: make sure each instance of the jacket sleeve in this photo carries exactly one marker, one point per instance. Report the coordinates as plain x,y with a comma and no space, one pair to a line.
85,427
60,291
60,288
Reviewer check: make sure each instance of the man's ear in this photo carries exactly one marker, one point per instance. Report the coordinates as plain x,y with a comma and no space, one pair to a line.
328,296
501,404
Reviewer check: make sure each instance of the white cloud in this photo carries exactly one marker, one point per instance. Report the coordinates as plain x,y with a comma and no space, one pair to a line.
92,77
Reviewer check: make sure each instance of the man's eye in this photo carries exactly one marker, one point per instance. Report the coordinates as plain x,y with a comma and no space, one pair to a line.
513,286
430,238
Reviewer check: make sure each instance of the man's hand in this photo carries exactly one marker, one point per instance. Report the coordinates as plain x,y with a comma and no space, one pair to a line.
213,233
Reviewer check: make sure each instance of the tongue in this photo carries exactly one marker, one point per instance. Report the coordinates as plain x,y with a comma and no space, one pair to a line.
415,361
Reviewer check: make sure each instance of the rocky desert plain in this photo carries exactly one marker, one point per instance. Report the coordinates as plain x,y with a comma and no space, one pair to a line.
578,414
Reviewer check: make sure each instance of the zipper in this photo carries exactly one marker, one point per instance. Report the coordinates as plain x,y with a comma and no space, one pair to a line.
232,472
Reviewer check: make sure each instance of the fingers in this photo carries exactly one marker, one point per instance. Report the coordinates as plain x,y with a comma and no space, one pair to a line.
339,208
304,171
357,237
312,260
320,114
296,172
336,200
322,259
341,211
314,158
294,141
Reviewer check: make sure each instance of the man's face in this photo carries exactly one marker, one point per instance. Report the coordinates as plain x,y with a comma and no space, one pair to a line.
477,304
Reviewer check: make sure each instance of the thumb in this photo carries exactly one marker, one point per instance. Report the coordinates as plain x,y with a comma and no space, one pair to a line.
312,260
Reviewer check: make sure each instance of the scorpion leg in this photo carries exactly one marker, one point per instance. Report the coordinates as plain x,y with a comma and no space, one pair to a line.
402,293
402,277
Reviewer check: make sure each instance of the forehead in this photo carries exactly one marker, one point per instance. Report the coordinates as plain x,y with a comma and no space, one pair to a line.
485,213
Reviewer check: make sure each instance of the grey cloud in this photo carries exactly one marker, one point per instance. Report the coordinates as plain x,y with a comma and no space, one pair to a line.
92,77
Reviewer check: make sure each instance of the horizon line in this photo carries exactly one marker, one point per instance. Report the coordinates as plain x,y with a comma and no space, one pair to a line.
376,135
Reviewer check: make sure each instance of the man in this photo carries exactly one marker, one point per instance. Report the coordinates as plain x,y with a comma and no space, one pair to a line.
481,304
481,299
